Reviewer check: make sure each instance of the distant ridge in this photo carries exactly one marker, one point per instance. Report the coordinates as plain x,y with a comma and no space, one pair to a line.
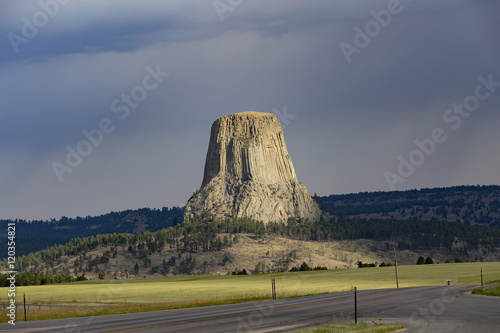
37,235
474,205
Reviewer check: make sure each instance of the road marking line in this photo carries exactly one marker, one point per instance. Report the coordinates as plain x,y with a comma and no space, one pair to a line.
238,314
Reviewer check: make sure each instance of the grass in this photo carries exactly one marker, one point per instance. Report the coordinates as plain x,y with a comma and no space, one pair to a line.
488,291
359,328
134,295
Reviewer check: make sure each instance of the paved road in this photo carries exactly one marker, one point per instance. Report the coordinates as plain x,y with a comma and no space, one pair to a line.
423,309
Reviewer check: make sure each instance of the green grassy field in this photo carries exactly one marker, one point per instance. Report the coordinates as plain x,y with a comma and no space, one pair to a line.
488,291
183,291
187,288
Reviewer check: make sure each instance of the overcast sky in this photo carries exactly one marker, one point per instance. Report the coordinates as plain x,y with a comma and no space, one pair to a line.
354,84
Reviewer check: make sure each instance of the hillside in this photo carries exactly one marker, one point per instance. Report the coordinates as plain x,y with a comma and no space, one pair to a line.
474,205
225,246
255,255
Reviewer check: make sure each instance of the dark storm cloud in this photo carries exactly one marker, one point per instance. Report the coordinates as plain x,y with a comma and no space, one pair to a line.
352,120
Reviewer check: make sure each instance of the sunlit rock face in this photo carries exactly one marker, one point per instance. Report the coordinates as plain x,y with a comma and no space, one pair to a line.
248,173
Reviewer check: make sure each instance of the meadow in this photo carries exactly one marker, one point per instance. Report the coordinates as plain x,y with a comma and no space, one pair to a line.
116,296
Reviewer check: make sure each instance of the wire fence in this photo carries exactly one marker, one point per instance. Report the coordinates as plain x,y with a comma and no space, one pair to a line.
43,310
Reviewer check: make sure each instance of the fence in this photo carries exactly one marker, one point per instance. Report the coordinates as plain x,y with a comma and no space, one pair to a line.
45,311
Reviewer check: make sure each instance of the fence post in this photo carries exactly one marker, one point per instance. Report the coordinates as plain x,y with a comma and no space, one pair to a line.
482,279
396,266
273,288
355,305
24,301
275,297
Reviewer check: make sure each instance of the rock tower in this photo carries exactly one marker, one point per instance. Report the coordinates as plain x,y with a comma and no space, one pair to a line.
248,173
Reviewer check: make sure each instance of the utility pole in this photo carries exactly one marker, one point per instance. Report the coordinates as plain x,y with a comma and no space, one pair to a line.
396,266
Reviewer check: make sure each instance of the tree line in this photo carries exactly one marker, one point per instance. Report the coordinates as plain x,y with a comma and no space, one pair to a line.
40,234
203,236
38,278
463,204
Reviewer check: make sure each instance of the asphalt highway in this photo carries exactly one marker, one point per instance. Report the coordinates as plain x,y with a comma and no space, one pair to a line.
422,309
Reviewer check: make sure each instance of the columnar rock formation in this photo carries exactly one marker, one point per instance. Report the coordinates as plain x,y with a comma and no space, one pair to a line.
248,173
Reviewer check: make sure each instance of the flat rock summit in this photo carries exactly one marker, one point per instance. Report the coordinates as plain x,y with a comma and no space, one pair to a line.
248,173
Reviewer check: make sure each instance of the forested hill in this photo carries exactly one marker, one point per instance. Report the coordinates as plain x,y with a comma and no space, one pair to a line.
204,248
37,235
465,204
474,205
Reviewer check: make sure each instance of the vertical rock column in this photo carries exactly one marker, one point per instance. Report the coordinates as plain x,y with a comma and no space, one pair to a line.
248,173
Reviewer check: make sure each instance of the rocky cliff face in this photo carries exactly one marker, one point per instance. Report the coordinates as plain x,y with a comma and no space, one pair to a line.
248,173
